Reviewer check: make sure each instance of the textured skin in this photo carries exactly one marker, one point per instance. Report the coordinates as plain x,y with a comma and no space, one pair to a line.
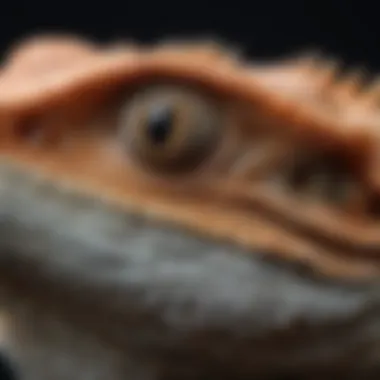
113,266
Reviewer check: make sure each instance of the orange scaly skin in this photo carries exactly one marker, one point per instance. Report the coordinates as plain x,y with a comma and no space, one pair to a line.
245,245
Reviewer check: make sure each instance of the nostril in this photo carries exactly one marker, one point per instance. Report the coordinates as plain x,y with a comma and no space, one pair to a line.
7,370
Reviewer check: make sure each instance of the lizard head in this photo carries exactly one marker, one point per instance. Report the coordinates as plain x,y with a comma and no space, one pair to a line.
270,157
272,162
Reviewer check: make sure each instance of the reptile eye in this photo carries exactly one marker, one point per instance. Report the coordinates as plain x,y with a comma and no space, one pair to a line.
171,129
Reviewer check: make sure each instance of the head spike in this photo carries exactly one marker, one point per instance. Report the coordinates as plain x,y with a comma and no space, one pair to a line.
371,96
349,87
328,72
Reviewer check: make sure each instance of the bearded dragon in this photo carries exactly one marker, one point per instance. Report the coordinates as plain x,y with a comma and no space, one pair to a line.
176,212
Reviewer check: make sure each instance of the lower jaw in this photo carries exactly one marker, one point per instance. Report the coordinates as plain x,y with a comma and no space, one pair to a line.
174,298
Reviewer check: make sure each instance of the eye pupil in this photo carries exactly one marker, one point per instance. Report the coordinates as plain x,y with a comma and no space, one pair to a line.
160,123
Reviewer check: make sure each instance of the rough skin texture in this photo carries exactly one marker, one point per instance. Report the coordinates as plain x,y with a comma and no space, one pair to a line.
173,212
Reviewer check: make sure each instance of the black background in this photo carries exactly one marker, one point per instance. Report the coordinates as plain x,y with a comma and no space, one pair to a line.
342,28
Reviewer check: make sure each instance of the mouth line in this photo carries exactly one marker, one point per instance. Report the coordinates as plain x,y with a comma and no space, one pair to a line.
306,221
320,245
